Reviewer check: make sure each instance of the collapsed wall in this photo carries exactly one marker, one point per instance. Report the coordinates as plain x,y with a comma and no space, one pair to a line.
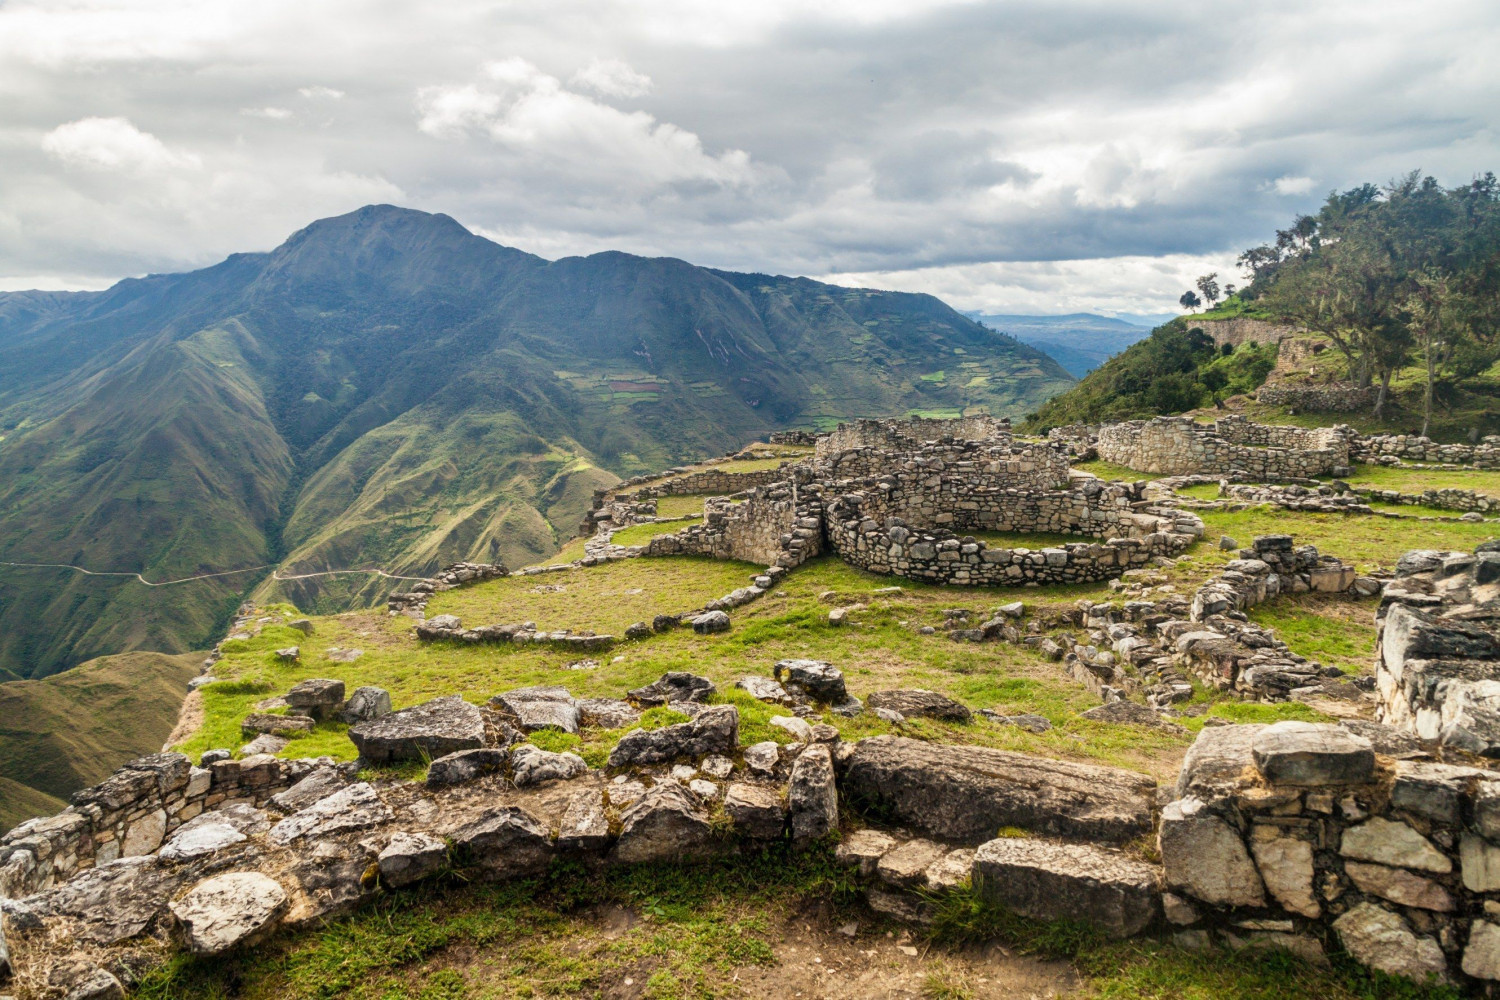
1386,448
1181,446
909,435
778,525
1040,466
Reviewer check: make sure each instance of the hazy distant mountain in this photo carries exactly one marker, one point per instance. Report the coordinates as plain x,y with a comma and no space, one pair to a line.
389,390
1080,342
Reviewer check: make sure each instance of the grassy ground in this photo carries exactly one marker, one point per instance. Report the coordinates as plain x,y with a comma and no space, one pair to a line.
1407,480
1332,629
762,925
681,505
1109,470
640,534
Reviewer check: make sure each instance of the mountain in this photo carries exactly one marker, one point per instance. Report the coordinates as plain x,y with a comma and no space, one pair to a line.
388,390
1080,342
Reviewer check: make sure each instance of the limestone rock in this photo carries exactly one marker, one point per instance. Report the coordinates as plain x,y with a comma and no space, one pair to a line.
227,911
1304,753
906,865
761,758
1216,761
1399,886
432,729
466,765
537,708
715,730
964,794
950,871
607,713
1482,954
319,697
145,834
1391,842
676,685
318,785
817,679
277,725
1286,867
1048,881
1480,861
664,824
863,849
917,702
100,984
265,743
1376,937
764,689
1204,856
584,825
756,811
352,808
799,728
508,842
411,857
366,703
533,766
1129,713
812,797
711,622
200,840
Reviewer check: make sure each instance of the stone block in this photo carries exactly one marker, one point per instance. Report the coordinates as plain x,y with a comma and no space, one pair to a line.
1049,881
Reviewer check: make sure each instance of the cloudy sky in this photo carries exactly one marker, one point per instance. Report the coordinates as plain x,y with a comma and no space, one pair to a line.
1012,157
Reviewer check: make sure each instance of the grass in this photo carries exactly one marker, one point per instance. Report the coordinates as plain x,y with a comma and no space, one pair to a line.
681,505
1408,480
1203,491
1109,470
1333,629
678,932
640,534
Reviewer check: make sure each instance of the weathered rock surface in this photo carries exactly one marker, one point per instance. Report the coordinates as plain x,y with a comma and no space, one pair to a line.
277,725
762,758
1048,881
607,713
466,765
1131,713
352,808
366,703
200,840
816,679
432,729
1399,886
227,911
1376,937
1286,867
1204,856
812,797
1303,753
411,857
533,766
715,730
756,811
764,689
677,685
711,622
912,702
863,849
664,824
321,783
965,794
536,708
508,842
319,697
584,826
1391,842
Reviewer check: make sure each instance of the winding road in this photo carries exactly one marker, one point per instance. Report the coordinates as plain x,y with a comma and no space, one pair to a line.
208,576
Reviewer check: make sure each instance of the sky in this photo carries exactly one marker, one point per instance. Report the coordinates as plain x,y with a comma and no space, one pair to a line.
1044,157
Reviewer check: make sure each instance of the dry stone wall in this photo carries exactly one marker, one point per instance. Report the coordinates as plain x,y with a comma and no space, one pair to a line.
1332,397
1387,448
1040,466
909,435
779,525
1181,446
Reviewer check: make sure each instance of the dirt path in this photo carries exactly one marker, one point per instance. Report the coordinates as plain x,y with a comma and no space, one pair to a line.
210,576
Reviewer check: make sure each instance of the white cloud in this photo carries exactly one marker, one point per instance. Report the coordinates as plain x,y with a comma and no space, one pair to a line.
275,114
1292,185
320,93
612,78
113,144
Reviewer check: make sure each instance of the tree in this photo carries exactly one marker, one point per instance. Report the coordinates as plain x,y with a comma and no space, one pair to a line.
1229,290
1209,286
1190,301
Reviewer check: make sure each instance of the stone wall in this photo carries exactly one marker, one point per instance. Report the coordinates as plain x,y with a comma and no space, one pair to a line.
1181,446
796,439
1464,501
1242,331
1313,838
1330,397
908,435
1415,448
779,525
1041,466
131,812
1438,675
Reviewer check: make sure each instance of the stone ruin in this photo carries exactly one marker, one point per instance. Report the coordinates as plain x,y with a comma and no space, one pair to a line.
1181,446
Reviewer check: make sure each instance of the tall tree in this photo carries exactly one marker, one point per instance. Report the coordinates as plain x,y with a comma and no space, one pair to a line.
1209,286
1190,301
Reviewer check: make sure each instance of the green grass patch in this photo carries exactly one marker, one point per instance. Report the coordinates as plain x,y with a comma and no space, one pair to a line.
1109,470
1408,480
640,534
1336,632
1203,491
681,505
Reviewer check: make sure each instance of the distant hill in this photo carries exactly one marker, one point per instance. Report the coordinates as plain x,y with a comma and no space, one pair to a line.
64,732
388,390
1080,342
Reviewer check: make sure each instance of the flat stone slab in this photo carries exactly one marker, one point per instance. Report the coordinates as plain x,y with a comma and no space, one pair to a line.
764,689
1216,763
534,766
352,808
917,702
966,794
1304,753
715,730
200,840
226,911
1049,881
536,708
817,679
432,729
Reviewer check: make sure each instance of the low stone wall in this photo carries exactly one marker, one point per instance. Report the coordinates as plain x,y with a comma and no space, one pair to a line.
1040,466
1366,448
908,435
1438,675
778,525
1243,331
1463,501
795,439
131,812
414,601
1315,837
1333,397
1180,446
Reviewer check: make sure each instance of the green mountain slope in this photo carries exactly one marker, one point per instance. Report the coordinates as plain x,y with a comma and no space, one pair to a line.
387,390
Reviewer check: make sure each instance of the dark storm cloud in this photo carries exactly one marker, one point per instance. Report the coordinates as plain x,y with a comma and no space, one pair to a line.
1011,156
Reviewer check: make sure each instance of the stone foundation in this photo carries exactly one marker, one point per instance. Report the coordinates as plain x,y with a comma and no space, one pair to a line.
1335,397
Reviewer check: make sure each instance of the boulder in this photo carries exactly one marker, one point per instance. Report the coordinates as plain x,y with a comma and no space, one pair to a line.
1380,939
532,709
714,730
812,797
352,808
265,743
533,766
917,702
713,621
817,679
799,728
762,758
756,811
466,765
411,857
507,842
432,729
1204,857
764,689
1303,753
289,654
1079,882
198,841
584,827
320,783
665,824
279,725
227,911
964,794
366,703
677,685
319,697
607,713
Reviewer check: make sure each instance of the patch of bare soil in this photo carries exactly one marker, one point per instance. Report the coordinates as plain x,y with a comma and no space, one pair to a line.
189,720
